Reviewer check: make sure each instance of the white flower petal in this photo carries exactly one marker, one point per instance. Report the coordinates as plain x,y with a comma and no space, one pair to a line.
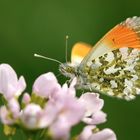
68,90
26,98
31,115
45,85
105,134
65,88
70,106
97,118
87,132
8,71
60,130
49,115
73,83
9,86
92,102
4,116
14,107
21,85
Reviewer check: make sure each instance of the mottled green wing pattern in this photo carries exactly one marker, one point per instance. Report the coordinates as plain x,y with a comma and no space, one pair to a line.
116,73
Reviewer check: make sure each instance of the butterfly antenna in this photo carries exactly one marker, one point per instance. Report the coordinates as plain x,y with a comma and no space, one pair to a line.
58,75
66,49
48,58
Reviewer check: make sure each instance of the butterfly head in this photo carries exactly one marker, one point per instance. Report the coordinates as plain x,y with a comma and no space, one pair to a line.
68,70
79,51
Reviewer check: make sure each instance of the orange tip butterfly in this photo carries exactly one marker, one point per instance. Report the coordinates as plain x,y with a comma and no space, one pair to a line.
112,66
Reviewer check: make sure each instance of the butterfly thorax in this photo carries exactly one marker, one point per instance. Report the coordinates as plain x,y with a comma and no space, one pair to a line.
71,72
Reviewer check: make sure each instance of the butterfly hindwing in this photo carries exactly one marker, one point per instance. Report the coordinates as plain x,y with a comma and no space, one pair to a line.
79,51
116,73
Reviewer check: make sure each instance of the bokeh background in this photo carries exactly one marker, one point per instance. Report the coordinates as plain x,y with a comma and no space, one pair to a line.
40,26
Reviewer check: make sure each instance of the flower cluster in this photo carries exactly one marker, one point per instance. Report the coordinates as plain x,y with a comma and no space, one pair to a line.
50,108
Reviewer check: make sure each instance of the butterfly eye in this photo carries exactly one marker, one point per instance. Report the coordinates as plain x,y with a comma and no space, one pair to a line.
69,69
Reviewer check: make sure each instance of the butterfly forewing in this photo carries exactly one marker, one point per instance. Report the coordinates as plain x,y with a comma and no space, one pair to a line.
113,65
125,34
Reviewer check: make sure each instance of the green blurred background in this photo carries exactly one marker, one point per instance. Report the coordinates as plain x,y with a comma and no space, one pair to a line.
40,26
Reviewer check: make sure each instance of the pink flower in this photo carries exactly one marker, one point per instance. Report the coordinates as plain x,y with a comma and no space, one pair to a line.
58,114
87,109
45,85
10,86
89,134
93,105
68,110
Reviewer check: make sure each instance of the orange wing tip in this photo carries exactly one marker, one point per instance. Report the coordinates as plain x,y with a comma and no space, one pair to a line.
79,51
125,34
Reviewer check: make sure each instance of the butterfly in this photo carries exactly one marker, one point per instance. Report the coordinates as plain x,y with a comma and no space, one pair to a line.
112,66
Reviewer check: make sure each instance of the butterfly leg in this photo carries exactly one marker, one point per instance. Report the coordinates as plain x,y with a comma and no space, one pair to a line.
68,81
